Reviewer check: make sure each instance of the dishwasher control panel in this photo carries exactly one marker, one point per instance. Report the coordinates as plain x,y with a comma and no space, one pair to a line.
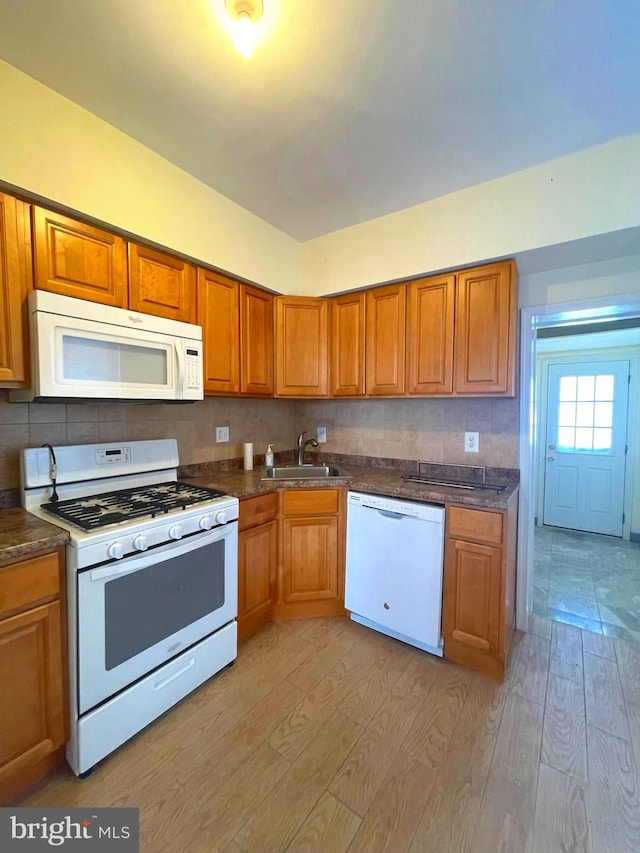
414,509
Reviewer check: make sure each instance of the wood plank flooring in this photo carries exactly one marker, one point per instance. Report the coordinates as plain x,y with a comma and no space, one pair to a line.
328,737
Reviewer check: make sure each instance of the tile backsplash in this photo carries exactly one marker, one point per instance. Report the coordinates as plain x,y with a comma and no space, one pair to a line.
193,425
432,430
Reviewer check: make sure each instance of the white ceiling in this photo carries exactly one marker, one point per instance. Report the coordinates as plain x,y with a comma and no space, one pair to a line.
347,110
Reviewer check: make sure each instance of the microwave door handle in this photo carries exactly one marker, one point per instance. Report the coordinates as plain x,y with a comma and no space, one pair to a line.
180,358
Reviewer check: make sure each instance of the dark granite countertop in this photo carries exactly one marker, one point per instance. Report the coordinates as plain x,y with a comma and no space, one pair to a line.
23,535
377,480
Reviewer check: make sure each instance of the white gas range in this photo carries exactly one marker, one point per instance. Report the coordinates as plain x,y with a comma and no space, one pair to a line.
151,583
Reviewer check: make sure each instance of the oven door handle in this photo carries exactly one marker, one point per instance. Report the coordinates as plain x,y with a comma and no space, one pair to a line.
134,563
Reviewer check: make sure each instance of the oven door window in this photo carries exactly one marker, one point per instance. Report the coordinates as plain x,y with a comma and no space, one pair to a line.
145,607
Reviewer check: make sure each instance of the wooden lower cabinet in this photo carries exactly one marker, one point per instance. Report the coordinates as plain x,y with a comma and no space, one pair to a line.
33,677
311,553
478,608
257,562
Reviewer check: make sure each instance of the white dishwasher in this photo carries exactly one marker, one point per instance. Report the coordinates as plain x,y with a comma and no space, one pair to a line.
394,568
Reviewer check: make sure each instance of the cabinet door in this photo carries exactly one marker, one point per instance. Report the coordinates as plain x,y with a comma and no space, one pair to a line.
257,556
386,340
486,307
302,353
310,559
31,684
15,275
76,259
347,345
218,314
256,342
471,599
430,312
161,284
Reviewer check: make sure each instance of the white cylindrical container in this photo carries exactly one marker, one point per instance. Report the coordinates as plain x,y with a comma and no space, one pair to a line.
248,456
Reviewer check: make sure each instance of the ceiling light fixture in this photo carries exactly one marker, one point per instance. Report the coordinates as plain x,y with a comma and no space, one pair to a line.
244,15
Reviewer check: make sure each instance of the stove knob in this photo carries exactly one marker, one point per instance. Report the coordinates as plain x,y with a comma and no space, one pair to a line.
206,523
116,550
221,517
140,543
175,532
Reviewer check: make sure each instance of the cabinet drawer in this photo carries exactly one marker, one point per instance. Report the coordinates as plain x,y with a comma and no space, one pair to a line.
24,583
477,524
311,502
257,510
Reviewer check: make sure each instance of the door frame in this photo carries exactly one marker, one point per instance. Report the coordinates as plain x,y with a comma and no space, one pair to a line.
531,319
604,354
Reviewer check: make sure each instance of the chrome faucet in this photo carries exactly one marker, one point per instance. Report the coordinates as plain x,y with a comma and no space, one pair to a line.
302,446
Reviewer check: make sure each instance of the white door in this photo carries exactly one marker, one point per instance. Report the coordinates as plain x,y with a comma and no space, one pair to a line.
586,446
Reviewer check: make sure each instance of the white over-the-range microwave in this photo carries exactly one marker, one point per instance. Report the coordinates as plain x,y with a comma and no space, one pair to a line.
82,350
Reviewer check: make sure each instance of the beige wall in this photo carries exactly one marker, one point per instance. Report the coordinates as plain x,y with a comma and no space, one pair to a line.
31,424
585,194
612,278
58,150
432,430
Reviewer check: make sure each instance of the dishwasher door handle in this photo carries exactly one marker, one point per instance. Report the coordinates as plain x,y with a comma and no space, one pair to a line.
394,515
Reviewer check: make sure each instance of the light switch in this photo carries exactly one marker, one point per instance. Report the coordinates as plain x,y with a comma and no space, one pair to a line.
222,433
321,435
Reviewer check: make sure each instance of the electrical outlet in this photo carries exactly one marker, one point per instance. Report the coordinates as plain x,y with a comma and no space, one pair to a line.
471,442
222,433
321,435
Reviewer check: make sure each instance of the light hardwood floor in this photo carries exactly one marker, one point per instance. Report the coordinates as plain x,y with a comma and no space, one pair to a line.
326,736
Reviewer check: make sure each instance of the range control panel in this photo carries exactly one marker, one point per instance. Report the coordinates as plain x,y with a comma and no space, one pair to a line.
112,454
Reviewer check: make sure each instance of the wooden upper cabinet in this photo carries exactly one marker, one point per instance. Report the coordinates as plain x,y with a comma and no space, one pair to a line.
218,314
15,281
161,284
347,345
430,313
385,340
256,341
485,330
76,259
302,351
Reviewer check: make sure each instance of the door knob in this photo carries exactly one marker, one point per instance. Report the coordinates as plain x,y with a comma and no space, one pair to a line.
551,458
552,447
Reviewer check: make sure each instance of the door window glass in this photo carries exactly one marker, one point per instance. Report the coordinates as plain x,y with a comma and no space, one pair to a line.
585,414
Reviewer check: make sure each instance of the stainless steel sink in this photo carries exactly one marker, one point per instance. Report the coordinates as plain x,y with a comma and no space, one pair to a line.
303,472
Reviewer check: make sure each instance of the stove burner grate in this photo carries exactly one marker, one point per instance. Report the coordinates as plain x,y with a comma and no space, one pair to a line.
118,507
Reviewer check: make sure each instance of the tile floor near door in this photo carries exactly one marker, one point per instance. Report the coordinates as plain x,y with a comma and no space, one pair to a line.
326,736
587,580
